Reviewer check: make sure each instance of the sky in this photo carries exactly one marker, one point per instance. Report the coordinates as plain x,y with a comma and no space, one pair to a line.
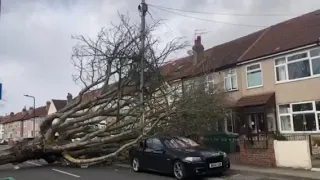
36,44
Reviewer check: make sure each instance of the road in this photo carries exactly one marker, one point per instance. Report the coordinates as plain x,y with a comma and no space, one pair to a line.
38,170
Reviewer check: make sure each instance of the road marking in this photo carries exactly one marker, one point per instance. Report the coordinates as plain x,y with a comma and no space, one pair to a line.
33,163
63,172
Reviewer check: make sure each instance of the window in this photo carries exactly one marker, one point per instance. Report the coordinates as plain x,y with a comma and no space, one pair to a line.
302,107
230,80
154,143
297,66
209,83
285,121
299,117
180,142
304,122
157,144
318,105
201,83
254,75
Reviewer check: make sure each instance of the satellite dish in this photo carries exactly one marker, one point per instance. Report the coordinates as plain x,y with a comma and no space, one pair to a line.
190,52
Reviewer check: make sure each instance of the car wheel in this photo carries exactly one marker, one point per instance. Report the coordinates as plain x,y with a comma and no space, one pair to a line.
179,170
135,164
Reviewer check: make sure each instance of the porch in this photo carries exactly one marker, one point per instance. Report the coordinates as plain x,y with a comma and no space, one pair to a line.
256,116
255,122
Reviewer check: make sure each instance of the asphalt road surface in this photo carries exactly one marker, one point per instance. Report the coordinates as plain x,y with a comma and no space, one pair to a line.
38,170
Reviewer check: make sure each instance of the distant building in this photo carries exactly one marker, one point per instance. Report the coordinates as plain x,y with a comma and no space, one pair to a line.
1,128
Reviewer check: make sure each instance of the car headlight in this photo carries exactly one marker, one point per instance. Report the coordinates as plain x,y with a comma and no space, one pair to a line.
224,154
192,159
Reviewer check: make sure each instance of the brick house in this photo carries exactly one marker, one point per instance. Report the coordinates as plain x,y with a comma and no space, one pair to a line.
31,123
2,127
272,76
20,125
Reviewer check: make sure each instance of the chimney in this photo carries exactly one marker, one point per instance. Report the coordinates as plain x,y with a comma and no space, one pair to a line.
30,110
48,105
24,109
11,114
198,50
69,98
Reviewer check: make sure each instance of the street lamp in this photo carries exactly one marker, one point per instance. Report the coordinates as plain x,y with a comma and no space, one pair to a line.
34,114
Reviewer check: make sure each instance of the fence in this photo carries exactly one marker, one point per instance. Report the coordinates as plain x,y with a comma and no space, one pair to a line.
313,139
256,141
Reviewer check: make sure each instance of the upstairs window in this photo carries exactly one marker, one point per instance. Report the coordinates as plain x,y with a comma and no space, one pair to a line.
297,66
202,83
254,75
230,80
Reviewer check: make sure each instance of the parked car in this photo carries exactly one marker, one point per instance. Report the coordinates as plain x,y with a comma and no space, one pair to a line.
3,142
179,156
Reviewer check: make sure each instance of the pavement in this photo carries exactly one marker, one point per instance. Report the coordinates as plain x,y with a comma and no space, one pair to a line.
39,170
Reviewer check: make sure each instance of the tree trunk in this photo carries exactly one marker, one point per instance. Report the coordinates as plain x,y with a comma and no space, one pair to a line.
23,151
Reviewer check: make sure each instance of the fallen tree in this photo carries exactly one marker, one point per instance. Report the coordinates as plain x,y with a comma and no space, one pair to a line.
107,117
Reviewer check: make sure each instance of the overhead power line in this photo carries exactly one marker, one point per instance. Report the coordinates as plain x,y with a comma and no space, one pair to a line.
164,22
209,20
219,13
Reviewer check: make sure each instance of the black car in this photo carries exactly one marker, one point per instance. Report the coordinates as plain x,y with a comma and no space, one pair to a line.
179,156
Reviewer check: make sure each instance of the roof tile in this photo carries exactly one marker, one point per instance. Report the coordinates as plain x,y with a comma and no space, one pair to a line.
287,35
59,104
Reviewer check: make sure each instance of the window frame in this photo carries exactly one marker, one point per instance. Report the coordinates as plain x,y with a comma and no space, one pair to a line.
260,68
291,113
192,84
309,58
152,142
285,114
228,75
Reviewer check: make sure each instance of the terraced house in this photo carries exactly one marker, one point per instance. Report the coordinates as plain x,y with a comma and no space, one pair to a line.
1,129
272,76
26,124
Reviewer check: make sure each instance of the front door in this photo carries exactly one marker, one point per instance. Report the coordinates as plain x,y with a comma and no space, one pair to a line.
256,122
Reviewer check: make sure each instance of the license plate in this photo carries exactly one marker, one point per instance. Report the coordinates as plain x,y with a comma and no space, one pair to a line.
214,165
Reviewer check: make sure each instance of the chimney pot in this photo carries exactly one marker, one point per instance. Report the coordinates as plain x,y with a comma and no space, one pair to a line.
30,109
12,113
69,98
48,105
198,50
24,109
199,40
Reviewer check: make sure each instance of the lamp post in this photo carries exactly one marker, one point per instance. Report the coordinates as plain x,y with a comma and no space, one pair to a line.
34,114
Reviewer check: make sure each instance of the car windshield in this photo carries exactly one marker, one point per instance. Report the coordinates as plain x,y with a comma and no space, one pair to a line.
180,142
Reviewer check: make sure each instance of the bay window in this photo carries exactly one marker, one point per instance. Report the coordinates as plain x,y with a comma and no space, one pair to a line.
299,117
230,80
254,75
297,66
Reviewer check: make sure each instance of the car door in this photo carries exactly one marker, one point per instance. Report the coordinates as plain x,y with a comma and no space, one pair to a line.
148,157
160,159
140,154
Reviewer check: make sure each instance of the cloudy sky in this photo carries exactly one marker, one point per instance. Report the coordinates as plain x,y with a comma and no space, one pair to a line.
35,35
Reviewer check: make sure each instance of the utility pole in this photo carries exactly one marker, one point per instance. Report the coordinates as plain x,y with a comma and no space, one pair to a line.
143,9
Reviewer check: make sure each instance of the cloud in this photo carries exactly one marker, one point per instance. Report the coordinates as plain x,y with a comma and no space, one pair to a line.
35,46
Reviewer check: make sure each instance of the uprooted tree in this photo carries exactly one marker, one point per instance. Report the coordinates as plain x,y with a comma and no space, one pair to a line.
105,119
